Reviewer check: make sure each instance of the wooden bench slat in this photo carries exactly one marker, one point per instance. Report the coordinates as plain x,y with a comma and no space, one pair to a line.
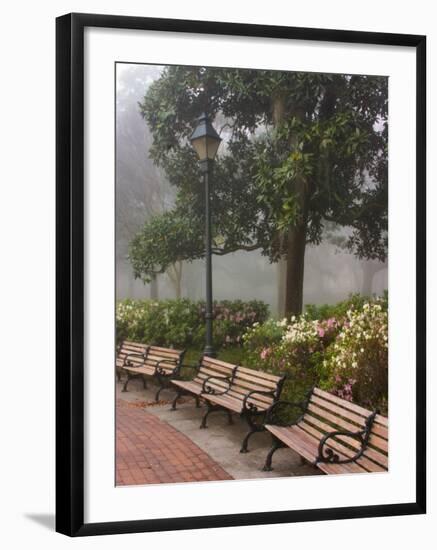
244,387
341,402
380,430
348,415
379,419
213,362
259,374
224,401
133,346
141,370
158,359
336,420
243,377
283,435
262,399
378,442
383,420
188,385
217,369
376,456
166,350
209,370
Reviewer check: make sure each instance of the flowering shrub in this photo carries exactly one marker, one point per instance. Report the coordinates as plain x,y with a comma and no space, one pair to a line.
340,309
293,348
231,320
356,364
346,355
181,323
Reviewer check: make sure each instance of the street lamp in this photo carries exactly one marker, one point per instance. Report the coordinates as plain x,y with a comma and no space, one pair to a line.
205,142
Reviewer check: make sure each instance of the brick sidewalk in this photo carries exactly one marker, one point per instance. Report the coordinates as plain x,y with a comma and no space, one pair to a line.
149,450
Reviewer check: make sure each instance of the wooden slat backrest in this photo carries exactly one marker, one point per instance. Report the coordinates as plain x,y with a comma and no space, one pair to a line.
247,380
167,359
127,347
162,353
328,413
209,366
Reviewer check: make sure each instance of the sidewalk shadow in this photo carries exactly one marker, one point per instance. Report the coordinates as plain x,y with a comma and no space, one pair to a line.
46,520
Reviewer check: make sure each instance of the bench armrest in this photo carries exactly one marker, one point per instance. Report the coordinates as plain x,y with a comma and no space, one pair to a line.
210,390
127,363
161,372
251,407
327,454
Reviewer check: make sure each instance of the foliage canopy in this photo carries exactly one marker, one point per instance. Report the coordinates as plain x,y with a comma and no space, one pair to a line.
299,149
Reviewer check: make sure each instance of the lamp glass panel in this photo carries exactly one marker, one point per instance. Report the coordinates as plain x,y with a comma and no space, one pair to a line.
212,145
200,146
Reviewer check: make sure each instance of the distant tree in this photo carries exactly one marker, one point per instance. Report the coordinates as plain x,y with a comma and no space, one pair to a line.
141,190
300,149
369,267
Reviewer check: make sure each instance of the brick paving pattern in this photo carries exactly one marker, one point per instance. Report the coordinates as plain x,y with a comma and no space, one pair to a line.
149,450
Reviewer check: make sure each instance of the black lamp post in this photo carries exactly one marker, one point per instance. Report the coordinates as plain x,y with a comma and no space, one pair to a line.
206,141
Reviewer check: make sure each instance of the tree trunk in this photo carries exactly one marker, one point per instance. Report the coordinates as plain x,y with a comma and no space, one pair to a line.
174,273
296,235
281,271
177,286
368,273
278,115
154,290
370,269
296,243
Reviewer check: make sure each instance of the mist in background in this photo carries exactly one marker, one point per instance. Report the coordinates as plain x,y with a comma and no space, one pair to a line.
142,191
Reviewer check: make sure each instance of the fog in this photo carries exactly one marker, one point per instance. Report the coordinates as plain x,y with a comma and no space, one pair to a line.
331,274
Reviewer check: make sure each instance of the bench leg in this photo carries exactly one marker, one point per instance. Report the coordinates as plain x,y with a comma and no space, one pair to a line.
118,375
144,383
163,384
230,419
211,408
277,444
173,405
126,382
129,378
244,448
197,402
254,427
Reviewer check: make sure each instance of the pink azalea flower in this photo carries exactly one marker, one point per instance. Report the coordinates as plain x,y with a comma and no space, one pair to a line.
265,353
321,332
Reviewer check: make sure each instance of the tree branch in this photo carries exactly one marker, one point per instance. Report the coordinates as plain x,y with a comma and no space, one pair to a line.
247,248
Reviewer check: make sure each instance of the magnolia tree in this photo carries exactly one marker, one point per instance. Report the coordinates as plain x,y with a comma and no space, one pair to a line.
300,150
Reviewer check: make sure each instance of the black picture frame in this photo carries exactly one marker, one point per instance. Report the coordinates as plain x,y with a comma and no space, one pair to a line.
70,273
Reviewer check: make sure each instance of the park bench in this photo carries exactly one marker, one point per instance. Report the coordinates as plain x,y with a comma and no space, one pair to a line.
233,389
143,361
335,435
209,373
